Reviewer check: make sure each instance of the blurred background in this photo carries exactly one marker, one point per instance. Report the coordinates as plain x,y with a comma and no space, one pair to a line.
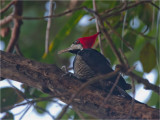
137,26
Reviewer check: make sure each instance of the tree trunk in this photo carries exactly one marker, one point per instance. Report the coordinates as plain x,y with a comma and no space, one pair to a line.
50,79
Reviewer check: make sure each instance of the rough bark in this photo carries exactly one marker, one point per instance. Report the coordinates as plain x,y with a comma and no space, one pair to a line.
49,78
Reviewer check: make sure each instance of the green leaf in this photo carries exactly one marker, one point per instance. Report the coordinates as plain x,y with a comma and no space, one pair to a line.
148,57
68,114
129,37
42,104
154,99
32,92
8,97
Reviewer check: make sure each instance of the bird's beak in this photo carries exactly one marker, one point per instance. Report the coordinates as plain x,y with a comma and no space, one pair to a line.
65,50
72,47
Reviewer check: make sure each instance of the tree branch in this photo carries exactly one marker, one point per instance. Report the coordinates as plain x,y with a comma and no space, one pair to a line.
98,30
126,8
6,20
7,7
49,78
50,16
49,21
16,28
146,83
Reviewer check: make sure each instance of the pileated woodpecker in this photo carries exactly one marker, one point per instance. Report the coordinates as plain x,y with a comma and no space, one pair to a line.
89,63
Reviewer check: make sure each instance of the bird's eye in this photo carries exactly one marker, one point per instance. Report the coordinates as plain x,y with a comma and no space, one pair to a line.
76,42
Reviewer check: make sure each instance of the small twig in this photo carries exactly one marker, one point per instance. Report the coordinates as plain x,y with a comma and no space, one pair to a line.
42,109
139,33
18,51
113,9
6,20
148,85
27,108
97,27
16,28
124,58
30,102
90,81
20,93
115,32
111,90
110,11
125,8
154,5
113,47
48,26
133,84
14,36
79,114
52,16
97,43
7,7
153,18
133,99
20,112
124,22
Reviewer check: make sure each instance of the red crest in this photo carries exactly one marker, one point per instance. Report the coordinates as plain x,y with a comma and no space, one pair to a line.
88,42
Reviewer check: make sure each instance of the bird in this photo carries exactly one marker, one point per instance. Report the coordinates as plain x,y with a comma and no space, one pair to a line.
88,63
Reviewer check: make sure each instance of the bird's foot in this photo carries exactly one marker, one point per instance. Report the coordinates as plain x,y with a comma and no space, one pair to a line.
68,74
64,68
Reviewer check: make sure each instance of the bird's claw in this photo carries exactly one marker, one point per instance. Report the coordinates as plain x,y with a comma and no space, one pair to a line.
64,68
68,74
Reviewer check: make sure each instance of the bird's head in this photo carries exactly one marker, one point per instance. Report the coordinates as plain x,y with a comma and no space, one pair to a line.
81,43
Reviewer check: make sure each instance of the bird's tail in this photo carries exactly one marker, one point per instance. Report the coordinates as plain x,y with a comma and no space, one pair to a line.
125,94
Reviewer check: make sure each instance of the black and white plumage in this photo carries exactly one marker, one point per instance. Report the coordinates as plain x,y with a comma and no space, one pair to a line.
89,63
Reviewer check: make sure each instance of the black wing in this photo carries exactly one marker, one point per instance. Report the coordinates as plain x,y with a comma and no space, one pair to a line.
98,63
